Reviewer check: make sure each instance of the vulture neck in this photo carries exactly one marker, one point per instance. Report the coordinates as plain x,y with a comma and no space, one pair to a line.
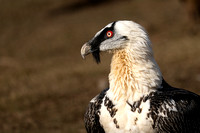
134,73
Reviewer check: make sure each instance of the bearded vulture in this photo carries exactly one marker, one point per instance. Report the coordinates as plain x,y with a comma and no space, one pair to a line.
138,99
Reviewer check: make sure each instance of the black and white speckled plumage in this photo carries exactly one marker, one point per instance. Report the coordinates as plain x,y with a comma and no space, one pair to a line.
185,120
138,99
187,117
91,118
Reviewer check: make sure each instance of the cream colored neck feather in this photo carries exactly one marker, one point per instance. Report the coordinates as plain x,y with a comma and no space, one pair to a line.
133,73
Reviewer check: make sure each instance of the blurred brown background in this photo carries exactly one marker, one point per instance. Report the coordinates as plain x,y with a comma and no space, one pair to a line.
45,85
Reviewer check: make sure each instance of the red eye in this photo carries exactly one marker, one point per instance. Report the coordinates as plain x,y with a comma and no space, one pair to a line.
109,33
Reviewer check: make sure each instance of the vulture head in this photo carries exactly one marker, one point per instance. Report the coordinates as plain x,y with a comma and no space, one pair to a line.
133,67
116,36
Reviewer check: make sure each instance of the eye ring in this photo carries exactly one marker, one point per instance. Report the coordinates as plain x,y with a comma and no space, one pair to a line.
109,34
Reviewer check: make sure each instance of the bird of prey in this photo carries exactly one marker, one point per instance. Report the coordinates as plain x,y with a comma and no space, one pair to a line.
138,99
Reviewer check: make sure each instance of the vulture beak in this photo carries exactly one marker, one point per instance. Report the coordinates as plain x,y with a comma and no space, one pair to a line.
85,50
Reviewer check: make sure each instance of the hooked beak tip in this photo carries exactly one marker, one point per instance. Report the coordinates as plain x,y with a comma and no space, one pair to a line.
83,56
85,50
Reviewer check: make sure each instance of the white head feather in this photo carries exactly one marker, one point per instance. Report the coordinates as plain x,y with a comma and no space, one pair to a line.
134,70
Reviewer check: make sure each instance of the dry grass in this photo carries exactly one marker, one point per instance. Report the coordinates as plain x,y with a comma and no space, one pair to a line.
45,86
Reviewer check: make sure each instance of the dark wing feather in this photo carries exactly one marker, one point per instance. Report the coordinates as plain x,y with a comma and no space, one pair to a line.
187,117
91,118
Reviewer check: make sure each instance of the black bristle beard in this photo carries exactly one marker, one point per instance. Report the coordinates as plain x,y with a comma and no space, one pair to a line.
96,55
